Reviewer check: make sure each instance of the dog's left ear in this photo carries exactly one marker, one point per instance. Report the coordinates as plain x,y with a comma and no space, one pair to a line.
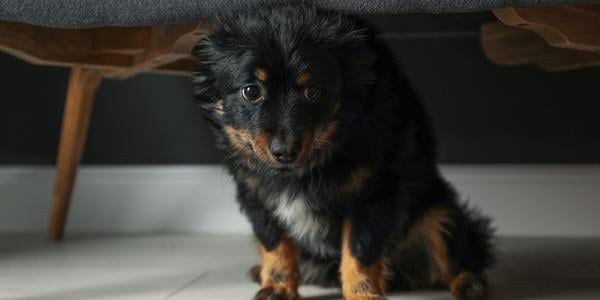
204,79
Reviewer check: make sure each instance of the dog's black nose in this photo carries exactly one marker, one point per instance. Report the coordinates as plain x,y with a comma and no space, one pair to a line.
283,152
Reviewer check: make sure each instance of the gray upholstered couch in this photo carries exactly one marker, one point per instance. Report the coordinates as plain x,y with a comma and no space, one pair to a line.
92,13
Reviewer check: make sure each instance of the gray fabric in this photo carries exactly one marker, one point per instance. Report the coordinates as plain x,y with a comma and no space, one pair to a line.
90,13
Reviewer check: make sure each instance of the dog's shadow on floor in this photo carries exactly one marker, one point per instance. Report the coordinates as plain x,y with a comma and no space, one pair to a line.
546,269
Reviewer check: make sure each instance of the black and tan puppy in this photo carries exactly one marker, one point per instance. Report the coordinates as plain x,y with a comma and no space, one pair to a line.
334,159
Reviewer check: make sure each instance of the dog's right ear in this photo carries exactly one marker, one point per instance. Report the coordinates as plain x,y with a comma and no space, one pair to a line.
204,79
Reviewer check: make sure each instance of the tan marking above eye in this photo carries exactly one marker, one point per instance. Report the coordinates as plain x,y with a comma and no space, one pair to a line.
303,78
261,74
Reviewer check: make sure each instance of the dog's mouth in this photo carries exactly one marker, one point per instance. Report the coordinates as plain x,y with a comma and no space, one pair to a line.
315,147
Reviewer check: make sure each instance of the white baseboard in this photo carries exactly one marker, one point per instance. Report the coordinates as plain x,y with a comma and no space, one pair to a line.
523,200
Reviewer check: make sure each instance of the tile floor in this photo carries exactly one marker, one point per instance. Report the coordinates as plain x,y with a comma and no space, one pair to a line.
183,267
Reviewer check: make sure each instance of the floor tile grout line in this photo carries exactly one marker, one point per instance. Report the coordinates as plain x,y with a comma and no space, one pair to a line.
187,284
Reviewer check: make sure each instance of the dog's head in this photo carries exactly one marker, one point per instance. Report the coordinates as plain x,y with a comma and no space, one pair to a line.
277,81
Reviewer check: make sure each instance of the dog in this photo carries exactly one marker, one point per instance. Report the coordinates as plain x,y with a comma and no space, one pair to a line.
334,159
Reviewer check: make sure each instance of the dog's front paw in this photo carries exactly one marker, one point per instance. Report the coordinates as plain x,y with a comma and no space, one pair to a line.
273,293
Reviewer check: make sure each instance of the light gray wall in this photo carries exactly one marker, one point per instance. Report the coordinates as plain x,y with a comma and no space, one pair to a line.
522,200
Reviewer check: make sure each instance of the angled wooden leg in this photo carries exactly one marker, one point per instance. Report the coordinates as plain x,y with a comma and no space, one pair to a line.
83,83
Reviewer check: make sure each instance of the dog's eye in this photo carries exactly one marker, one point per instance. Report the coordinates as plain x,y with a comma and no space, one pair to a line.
251,93
312,92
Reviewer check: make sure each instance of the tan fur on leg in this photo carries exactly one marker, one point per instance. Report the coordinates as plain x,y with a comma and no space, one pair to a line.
467,286
279,273
360,282
433,227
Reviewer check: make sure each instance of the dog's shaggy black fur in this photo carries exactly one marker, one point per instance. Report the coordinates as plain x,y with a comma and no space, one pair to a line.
323,135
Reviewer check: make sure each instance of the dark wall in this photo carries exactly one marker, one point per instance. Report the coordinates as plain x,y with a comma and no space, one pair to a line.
483,113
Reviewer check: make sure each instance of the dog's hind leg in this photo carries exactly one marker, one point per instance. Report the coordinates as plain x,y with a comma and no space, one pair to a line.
449,237
467,286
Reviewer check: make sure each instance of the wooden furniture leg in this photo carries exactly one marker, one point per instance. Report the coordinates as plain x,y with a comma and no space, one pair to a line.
93,54
83,83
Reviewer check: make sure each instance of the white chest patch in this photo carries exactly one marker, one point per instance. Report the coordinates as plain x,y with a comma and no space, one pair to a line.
302,223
